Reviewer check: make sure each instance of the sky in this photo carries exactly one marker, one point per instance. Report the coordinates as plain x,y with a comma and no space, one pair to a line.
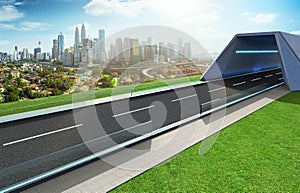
213,23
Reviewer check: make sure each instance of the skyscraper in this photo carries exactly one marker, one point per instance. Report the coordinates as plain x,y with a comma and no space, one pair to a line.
24,54
149,40
55,49
76,37
126,52
187,49
61,45
83,33
119,49
102,44
37,53
134,51
16,53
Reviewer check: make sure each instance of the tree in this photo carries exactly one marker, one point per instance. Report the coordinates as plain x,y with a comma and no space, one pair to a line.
27,92
19,82
11,97
114,82
37,95
56,91
10,76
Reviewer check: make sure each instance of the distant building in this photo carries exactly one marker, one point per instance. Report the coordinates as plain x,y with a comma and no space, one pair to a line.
187,50
148,54
55,49
83,33
134,51
126,52
96,49
61,45
119,49
162,51
102,45
76,42
25,54
171,52
46,56
68,57
112,53
149,40
16,54
37,53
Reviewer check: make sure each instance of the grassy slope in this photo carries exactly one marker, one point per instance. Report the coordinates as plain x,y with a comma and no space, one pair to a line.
30,105
260,153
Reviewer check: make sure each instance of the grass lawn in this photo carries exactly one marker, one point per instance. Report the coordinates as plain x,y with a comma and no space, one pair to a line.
30,105
260,153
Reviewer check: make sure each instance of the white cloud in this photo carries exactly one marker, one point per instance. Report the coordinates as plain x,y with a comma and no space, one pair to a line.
25,26
19,3
114,7
7,26
263,18
4,42
7,2
12,2
247,13
297,32
10,13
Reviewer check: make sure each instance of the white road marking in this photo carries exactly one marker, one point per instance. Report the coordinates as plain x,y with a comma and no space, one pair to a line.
216,89
236,84
175,100
41,135
255,79
278,73
211,101
280,78
128,112
145,123
268,76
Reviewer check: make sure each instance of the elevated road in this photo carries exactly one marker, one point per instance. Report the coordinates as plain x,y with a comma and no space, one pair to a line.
35,145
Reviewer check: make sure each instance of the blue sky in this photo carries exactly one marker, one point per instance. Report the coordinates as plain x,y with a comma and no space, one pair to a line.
212,22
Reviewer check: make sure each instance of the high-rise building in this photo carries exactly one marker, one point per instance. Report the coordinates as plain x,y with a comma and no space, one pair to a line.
102,44
126,52
25,54
83,33
149,40
179,43
134,51
187,50
162,51
45,56
76,43
119,49
16,54
61,45
96,49
148,54
55,49
171,51
37,53
112,51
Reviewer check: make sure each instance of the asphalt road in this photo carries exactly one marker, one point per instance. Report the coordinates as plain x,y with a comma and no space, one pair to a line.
31,146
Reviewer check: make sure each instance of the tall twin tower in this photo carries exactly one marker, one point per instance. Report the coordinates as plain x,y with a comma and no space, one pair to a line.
83,35
98,44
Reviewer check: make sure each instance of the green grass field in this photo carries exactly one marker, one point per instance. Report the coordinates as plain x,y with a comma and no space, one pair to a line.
260,153
41,103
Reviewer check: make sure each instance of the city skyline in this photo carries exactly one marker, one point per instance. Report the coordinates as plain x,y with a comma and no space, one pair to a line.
27,22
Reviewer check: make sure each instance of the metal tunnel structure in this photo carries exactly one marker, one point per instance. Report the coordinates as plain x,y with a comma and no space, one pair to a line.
254,52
